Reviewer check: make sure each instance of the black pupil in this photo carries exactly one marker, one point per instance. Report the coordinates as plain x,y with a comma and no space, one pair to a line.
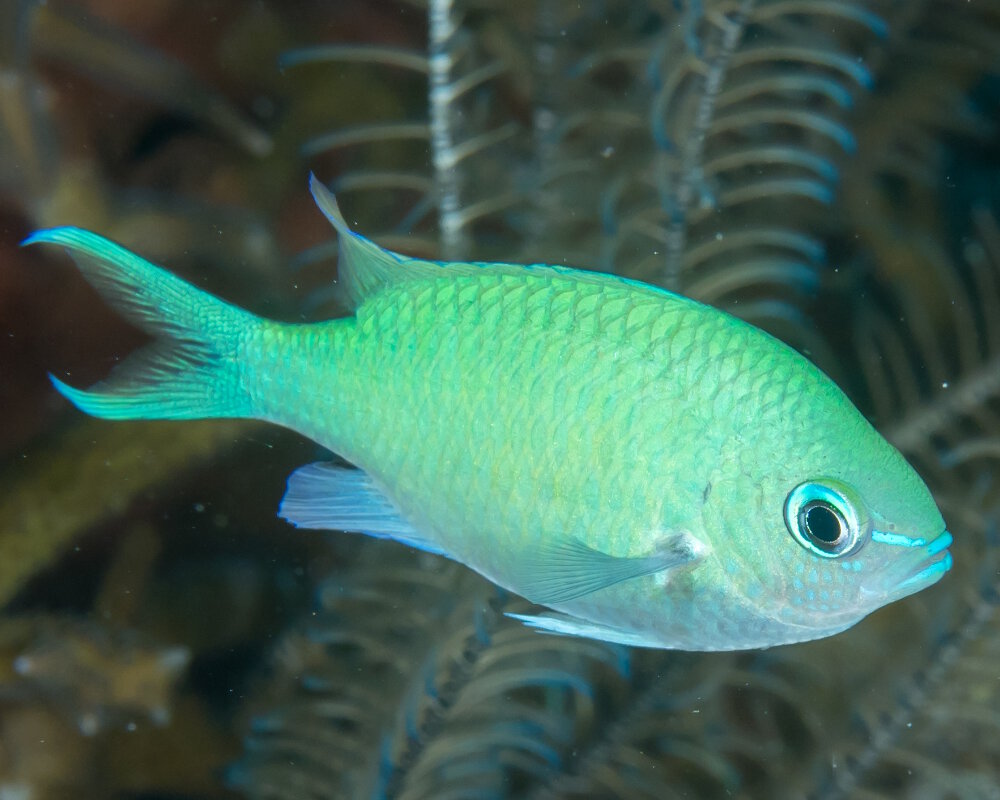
822,523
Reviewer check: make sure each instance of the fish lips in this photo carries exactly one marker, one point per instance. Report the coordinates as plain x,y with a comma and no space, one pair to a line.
924,565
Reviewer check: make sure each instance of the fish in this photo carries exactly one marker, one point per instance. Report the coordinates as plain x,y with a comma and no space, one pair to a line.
644,469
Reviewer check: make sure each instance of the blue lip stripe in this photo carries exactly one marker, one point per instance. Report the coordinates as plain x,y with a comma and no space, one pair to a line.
943,542
937,568
898,539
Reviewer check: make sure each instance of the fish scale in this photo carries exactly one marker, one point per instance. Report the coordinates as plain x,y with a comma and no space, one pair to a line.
524,377
654,471
519,386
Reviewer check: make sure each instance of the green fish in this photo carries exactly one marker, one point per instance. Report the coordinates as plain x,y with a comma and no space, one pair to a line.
654,471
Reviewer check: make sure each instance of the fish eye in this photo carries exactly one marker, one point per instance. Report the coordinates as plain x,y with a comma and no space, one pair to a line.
827,518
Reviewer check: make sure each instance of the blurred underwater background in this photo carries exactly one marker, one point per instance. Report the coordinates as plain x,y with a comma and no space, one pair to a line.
828,170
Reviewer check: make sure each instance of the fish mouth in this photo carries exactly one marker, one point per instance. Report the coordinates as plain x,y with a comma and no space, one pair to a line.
923,567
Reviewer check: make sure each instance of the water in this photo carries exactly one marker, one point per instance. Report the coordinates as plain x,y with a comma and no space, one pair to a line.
828,176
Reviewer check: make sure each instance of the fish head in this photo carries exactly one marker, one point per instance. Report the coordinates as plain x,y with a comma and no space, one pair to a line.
841,525
856,545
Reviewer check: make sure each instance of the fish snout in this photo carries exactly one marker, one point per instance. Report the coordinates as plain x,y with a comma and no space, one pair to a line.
936,561
923,565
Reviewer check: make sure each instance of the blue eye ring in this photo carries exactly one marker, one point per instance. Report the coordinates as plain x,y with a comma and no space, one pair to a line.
827,518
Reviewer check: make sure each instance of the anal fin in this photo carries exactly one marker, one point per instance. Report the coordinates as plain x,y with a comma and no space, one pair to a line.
327,497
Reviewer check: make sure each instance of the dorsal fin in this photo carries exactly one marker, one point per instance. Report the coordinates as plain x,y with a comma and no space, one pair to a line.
365,269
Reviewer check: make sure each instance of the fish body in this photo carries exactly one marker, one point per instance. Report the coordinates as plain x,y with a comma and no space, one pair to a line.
656,472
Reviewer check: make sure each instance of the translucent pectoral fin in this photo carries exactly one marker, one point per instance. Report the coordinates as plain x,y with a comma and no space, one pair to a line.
327,497
568,625
565,569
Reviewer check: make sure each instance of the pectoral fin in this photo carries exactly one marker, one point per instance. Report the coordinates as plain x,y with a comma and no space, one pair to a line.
565,569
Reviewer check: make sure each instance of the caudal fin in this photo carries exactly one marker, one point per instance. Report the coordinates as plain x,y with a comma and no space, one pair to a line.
191,370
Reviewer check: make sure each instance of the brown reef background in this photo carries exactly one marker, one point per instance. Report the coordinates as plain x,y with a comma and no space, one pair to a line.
826,169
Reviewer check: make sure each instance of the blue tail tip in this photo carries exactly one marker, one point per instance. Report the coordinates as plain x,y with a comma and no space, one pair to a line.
58,384
76,396
61,235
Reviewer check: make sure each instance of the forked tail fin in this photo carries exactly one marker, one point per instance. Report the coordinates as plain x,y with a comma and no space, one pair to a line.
191,370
